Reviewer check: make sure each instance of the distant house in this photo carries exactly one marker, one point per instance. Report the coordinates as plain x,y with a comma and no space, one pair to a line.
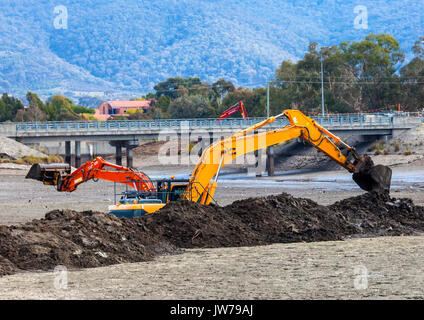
110,109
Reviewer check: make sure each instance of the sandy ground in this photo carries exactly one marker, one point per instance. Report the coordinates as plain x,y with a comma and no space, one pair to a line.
356,269
285,271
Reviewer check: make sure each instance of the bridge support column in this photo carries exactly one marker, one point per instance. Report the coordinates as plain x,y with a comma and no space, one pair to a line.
270,155
129,157
204,143
260,165
77,154
68,152
210,138
118,155
128,145
201,142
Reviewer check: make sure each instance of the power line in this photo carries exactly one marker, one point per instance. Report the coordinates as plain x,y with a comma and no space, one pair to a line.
352,83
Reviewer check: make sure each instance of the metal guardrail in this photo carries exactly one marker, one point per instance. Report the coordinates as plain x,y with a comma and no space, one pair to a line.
93,127
189,124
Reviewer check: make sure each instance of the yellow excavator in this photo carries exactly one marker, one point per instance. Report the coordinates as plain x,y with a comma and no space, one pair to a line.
201,186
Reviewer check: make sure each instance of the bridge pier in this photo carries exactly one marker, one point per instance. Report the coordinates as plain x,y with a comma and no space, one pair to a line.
210,138
77,154
204,143
261,162
270,156
129,153
68,152
118,155
128,145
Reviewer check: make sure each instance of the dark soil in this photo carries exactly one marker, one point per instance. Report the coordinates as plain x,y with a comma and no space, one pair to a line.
76,240
92,239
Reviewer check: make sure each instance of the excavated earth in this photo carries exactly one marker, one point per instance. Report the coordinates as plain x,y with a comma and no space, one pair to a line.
92,239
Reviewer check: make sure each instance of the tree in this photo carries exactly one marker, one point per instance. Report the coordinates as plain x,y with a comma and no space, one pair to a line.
34,112
418,48
82,110
412,78
169,88
221,88
190,107
253,100
9,107
356,75
163,104
60,108
374,61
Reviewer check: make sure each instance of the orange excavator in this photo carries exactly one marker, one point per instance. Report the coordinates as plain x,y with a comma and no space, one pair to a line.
60,175
201,186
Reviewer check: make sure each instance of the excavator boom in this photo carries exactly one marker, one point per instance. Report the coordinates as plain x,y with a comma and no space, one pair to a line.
201,187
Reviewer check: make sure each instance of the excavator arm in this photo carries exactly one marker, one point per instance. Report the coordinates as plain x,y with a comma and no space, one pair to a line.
201,187
60,175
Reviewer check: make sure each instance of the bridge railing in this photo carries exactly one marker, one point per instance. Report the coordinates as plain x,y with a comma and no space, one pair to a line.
362,120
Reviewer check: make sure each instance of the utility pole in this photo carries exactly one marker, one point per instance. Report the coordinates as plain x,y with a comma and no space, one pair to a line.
322,85
267,99
270,149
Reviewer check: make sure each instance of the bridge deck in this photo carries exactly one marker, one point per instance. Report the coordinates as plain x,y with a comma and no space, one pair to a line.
113,130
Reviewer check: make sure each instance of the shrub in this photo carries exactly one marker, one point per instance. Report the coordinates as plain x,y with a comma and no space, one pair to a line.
407,152
33,159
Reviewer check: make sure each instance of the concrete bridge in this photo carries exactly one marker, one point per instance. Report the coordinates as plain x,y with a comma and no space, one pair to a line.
126,134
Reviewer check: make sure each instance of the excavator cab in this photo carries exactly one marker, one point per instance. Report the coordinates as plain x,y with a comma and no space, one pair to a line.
168,191
139,203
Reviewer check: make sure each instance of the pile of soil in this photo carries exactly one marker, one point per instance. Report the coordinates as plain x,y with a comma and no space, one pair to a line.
254,221
374,214
92,239
76,240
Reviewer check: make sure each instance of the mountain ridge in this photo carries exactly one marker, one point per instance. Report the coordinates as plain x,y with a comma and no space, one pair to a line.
129,46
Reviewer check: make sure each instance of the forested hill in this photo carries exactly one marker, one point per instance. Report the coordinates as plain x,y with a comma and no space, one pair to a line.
131,45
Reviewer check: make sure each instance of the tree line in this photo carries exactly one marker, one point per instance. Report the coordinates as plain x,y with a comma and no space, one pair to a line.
57,108
358,76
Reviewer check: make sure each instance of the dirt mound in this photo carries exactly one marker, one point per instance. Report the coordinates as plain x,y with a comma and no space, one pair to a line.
76,240
253,221
282,219
91,239
374,214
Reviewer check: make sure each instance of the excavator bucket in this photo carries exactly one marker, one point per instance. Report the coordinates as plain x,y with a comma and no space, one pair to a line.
370,177
48,173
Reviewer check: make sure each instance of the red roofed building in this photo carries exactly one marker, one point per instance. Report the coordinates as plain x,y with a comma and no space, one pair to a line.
110,109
